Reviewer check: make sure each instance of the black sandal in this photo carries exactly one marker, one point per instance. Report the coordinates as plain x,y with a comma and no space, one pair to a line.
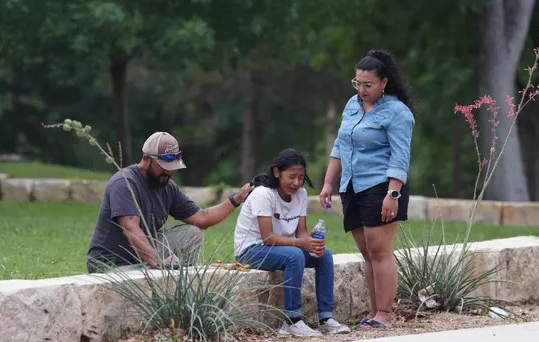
375,324
363,322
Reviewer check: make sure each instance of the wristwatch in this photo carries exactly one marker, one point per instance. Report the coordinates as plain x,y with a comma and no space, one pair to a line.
395,194
233,201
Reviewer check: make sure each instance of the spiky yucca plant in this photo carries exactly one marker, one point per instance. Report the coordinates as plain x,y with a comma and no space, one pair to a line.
200,301
438,277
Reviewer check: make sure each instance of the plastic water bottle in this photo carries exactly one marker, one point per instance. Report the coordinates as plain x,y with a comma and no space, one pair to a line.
319,232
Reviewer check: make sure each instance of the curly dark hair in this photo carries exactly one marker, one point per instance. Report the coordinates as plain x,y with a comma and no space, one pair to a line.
384,65
284,160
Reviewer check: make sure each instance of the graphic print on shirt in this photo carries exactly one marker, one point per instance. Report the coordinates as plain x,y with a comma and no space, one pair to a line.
287,219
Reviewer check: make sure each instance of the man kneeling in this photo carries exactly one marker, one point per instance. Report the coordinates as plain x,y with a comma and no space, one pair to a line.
121,239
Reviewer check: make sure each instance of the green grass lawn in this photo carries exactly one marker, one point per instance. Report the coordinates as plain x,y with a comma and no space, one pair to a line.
41,240
40,170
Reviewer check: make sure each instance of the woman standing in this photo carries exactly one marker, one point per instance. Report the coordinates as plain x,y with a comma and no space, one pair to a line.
372,156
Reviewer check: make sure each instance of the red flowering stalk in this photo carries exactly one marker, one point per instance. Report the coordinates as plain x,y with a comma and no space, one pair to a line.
528,93
468,112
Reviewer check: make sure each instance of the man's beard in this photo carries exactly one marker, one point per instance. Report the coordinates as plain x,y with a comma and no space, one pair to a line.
157,181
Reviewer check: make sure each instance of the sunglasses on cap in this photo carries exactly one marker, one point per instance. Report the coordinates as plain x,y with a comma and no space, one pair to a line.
168,156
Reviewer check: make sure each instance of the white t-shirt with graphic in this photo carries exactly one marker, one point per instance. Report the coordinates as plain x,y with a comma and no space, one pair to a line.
265,201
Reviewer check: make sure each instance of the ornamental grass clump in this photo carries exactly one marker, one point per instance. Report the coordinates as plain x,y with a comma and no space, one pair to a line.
443,277
195,302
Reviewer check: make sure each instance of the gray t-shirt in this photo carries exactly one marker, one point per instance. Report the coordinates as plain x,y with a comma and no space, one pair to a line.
108,243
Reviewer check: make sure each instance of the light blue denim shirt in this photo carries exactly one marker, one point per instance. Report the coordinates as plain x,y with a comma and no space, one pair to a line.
374,147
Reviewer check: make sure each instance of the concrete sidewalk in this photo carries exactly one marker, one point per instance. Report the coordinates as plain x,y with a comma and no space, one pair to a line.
501,333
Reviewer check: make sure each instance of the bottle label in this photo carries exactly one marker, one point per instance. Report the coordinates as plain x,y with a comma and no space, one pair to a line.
319,235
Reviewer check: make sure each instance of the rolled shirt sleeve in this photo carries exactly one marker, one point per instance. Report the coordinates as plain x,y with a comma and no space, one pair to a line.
335,151
399,134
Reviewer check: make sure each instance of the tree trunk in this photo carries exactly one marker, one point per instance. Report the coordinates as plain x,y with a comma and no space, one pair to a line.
528,125
249,131
118,73
529,139
457,161
505,27
331,117
331,135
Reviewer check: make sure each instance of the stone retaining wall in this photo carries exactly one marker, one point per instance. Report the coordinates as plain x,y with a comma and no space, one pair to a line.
420,208
87,191
456,210
83,308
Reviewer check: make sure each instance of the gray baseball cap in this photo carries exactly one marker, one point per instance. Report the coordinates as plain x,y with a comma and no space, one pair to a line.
164,148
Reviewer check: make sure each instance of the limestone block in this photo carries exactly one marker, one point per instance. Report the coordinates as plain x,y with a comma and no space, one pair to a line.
202,196
519,273
51,189
490,212
80,308
485,260
519,270
521,214
88,191
109,315
314,206
17,189
457,210
417,208
351,295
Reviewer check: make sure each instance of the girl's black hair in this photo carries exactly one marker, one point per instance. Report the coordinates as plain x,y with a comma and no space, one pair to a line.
385,65
284,160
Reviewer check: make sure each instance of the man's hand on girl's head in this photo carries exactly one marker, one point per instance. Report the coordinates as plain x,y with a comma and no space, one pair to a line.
242,193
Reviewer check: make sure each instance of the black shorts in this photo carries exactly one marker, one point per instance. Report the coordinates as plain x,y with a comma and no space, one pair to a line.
365,207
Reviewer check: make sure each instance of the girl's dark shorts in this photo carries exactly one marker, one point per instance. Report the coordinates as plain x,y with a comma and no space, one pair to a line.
365,207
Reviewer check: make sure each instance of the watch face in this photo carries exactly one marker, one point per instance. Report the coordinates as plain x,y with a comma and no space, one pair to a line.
394,194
